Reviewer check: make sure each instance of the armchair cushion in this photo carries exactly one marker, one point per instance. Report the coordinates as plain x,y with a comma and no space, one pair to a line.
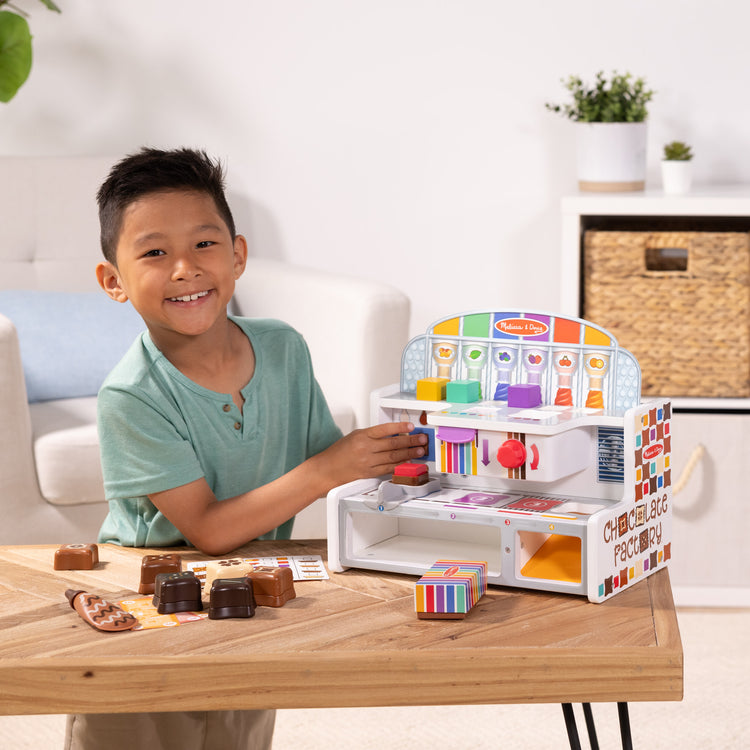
66,451
69,341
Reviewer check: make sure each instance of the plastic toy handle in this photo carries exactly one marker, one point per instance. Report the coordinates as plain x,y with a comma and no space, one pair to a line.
511,454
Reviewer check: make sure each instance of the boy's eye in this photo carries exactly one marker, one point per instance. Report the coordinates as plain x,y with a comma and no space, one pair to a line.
153,253
205,244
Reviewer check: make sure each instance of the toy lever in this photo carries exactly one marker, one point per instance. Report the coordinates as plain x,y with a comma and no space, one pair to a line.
504,360
565,363
597,364
391,495
444,354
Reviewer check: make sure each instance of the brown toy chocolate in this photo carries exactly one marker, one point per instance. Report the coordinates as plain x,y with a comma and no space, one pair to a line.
231,597
177,592
98,613
76,557
273,587
152,565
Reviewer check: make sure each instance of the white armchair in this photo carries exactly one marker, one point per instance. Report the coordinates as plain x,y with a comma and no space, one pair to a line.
50,476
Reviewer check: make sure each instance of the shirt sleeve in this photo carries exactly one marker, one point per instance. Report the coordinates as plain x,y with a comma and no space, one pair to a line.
144,446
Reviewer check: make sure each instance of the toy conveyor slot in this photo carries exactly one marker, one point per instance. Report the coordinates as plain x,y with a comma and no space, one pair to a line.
549,557
401,542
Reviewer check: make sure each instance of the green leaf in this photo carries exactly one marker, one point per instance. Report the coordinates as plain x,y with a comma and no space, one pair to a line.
49,4
622,100
15,54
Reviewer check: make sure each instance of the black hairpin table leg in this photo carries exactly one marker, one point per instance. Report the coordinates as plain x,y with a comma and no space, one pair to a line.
590,726
572,728
627,740
570,725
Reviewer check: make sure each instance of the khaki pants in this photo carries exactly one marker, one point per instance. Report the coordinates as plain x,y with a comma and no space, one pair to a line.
194,730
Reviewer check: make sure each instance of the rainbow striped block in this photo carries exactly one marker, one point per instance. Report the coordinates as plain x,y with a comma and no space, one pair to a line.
450,588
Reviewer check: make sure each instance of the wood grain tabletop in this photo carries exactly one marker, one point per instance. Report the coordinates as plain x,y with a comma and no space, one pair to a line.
351,640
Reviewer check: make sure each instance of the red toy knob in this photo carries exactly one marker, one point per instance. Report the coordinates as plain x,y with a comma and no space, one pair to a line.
511,454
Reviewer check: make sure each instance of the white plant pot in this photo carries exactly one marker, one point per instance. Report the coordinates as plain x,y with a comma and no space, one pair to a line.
676,176
611,156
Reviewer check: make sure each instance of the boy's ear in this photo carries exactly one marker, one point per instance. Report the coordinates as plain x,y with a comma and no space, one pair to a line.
109,280
240,255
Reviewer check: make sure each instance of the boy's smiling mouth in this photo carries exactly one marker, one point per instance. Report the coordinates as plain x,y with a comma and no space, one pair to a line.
188,297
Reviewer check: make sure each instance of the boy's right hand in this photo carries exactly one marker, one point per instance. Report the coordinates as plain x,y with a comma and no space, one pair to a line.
372,452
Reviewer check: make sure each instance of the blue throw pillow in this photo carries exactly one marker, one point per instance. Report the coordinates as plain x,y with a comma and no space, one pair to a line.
69,341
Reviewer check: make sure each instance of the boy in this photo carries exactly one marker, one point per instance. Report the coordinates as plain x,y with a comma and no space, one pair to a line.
213,430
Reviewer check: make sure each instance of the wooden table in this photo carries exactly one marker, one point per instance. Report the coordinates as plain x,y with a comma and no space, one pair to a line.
353,640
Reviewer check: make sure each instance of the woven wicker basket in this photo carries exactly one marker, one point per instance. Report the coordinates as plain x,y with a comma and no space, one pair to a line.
679,301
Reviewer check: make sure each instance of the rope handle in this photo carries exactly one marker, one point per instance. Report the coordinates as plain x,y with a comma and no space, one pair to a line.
684,478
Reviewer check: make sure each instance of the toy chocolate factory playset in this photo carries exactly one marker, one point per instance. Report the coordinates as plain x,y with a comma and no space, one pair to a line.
543,463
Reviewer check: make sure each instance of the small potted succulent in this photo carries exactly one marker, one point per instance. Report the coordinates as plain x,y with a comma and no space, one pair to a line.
677,168
15,48
610,118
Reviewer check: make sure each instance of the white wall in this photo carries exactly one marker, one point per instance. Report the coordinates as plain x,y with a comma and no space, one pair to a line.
405,140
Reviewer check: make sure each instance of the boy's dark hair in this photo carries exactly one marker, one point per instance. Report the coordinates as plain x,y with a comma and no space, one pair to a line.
151,171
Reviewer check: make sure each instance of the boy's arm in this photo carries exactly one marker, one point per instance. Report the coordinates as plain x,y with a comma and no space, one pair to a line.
220,527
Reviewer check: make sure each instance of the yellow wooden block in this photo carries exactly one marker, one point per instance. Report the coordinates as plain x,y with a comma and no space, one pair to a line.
432,389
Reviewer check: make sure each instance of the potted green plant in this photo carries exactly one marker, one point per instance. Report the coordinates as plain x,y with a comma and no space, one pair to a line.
677,168
15,48
610,118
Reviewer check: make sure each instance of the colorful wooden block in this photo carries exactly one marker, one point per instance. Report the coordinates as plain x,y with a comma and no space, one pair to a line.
432,389
450,588
76,557
463,391
524,396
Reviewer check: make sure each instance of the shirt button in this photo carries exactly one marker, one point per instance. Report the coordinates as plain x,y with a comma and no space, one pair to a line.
227,407
237,425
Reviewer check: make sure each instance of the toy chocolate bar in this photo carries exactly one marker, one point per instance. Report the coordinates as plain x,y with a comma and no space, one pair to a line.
98,613
411,474
76,557
231,597
152,565
177,592
273,587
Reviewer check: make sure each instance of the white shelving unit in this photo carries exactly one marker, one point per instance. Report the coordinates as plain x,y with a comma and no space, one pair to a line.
711,435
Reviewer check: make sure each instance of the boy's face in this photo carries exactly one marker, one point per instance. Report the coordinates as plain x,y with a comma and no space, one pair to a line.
176,263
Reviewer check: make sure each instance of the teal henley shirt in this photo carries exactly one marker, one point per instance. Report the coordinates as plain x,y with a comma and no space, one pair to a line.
159,430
